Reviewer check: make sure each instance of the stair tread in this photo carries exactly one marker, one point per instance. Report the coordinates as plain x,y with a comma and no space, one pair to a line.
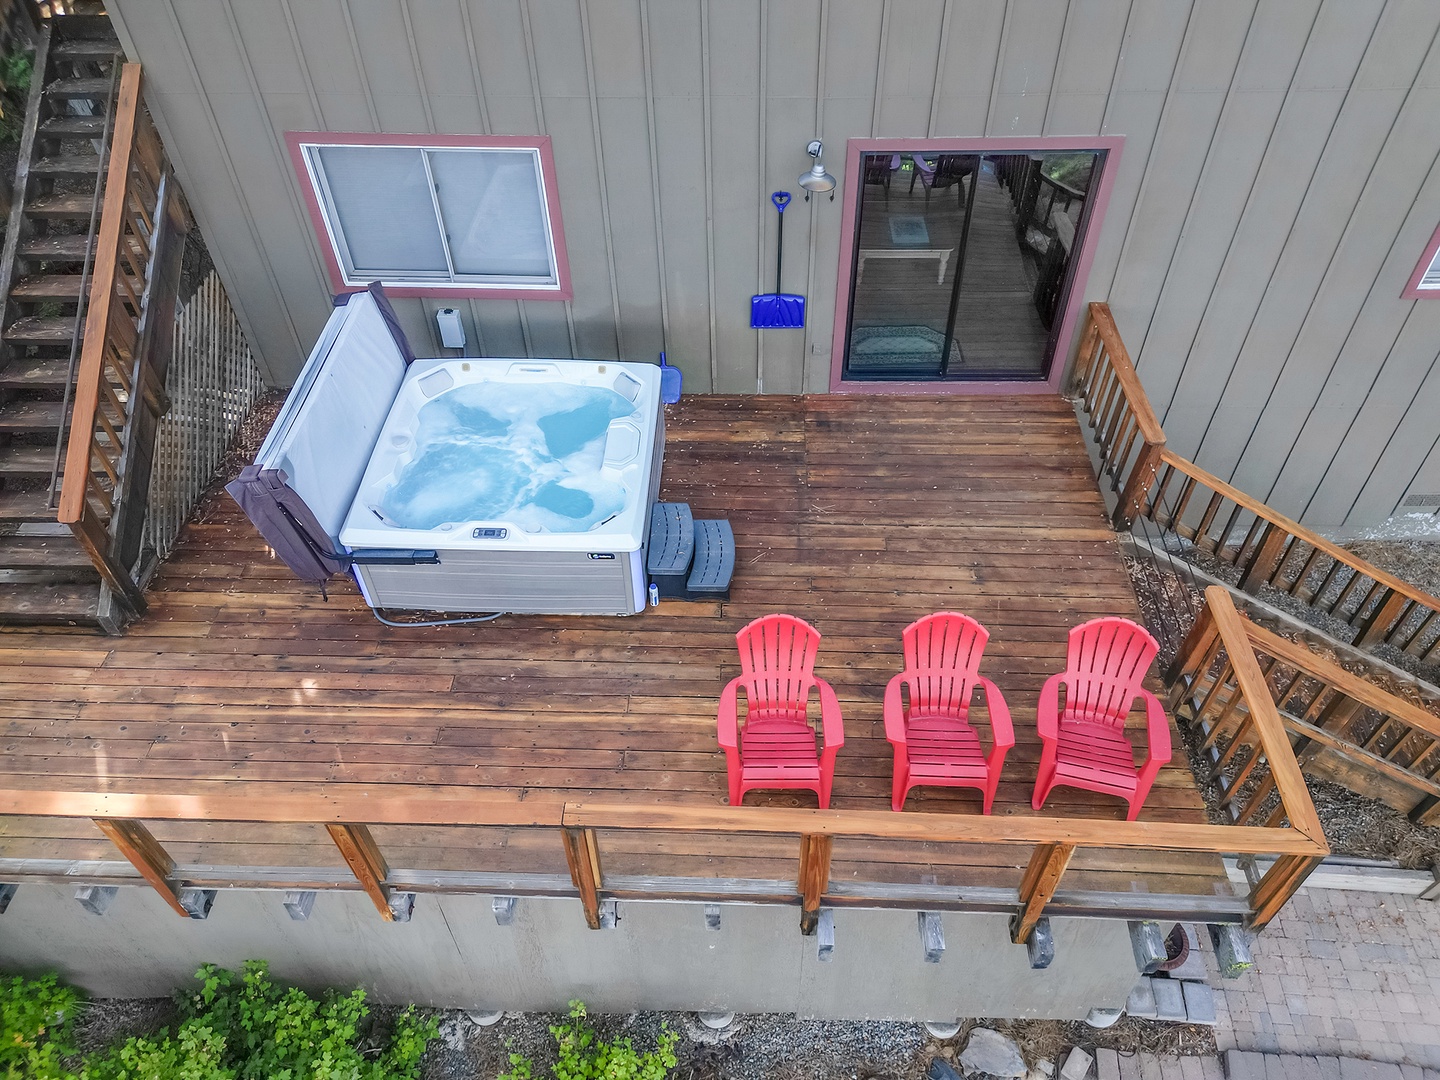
79,88
26,460
61,553
85,48
67,165
69,205
70,247
36,328
25,506
47,287
18,416
49,603
77,126
26,373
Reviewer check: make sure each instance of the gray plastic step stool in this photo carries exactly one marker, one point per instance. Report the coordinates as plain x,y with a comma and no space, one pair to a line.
671,549
714,562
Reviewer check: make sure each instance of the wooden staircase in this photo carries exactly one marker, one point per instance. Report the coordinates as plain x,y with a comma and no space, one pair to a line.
70,424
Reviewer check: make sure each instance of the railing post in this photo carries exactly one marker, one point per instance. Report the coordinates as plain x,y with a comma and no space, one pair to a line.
145,854
1086,354
582,855
1042,877
1137,485
358,848
1377,626
1266,559
1190,656
814,877
1280,882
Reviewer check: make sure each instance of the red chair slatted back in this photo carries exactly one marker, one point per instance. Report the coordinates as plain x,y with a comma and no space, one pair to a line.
942,660
777,666
1104,667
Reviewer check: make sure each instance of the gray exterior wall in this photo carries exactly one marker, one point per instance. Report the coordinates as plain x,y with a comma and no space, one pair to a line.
1277,187
659,956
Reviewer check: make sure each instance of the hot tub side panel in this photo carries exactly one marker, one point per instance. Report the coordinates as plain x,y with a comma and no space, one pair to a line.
526,582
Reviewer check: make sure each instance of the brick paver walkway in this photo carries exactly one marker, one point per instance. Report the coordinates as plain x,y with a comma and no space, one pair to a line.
1343,974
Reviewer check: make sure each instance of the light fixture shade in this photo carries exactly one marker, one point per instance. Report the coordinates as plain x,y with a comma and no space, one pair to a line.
817,179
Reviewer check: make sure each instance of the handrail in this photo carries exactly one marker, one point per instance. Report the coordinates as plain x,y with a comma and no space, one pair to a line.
1127,431
110,385
1266,547
1290,830
1272,550
1323,708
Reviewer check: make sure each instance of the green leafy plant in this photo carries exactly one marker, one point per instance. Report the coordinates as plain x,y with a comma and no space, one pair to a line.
242,1026
585,1055
278,1033
195,1052
36,1018
15,72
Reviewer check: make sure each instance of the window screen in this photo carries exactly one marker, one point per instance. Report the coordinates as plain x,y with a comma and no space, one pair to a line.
443,216
1431,278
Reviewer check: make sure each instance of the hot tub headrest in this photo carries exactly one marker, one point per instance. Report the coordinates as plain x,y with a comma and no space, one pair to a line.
285,522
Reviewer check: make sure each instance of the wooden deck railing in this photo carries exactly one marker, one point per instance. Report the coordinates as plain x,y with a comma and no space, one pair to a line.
1288,829
1340,725
1265,548
1127,431
113,381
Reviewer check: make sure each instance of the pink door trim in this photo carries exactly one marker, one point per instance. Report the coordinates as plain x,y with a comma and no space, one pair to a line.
855,148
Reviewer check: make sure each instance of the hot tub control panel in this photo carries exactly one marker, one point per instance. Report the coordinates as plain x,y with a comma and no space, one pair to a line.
490,534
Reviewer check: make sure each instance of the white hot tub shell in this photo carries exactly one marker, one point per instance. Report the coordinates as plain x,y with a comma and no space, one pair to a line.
464,485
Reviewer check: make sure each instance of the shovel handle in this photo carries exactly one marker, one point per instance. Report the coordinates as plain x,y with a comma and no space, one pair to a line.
781,199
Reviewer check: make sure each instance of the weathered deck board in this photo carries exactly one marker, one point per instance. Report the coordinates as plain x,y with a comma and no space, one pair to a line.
859,514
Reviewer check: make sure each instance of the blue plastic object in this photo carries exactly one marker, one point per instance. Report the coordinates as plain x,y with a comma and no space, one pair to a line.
777,310
671,379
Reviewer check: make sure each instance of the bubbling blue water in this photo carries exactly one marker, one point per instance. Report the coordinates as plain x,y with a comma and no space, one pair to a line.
523,453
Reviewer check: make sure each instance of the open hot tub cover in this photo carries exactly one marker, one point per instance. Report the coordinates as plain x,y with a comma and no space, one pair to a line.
307,471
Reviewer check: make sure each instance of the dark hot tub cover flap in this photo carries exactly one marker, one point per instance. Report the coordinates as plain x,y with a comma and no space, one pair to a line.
307,471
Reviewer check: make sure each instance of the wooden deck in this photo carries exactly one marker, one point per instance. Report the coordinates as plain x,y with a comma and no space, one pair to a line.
856,513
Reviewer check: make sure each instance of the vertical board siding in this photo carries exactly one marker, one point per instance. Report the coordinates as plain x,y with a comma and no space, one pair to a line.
1278,181
1338,43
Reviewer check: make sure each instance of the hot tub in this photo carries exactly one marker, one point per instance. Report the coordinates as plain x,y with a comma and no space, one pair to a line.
461,485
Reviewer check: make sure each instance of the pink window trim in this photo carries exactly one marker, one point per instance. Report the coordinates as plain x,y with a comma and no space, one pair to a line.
855,148
561,291
1412,287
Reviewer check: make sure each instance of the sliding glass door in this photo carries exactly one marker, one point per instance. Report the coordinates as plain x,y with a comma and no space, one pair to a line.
962,262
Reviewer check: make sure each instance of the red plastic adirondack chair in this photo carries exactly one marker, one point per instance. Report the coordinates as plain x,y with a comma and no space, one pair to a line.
775,747
933,740
1084,742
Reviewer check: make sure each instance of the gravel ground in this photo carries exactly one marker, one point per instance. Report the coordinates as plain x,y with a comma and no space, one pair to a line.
754,1047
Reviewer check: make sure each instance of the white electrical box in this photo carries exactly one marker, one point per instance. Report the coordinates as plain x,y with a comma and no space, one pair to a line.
452,332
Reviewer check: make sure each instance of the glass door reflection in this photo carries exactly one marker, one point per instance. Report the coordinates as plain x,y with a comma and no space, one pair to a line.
963,262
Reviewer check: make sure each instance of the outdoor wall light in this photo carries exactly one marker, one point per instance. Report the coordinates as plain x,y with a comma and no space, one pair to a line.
817,179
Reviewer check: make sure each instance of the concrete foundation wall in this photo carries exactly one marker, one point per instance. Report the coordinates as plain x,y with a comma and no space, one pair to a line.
660,956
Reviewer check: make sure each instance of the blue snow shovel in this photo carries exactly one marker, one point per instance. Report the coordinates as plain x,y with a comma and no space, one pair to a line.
777,310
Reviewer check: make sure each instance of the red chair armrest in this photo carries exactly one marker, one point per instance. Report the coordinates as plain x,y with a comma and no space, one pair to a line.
1047,713
832,727
1001,728
895,711
727,726
1157,730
